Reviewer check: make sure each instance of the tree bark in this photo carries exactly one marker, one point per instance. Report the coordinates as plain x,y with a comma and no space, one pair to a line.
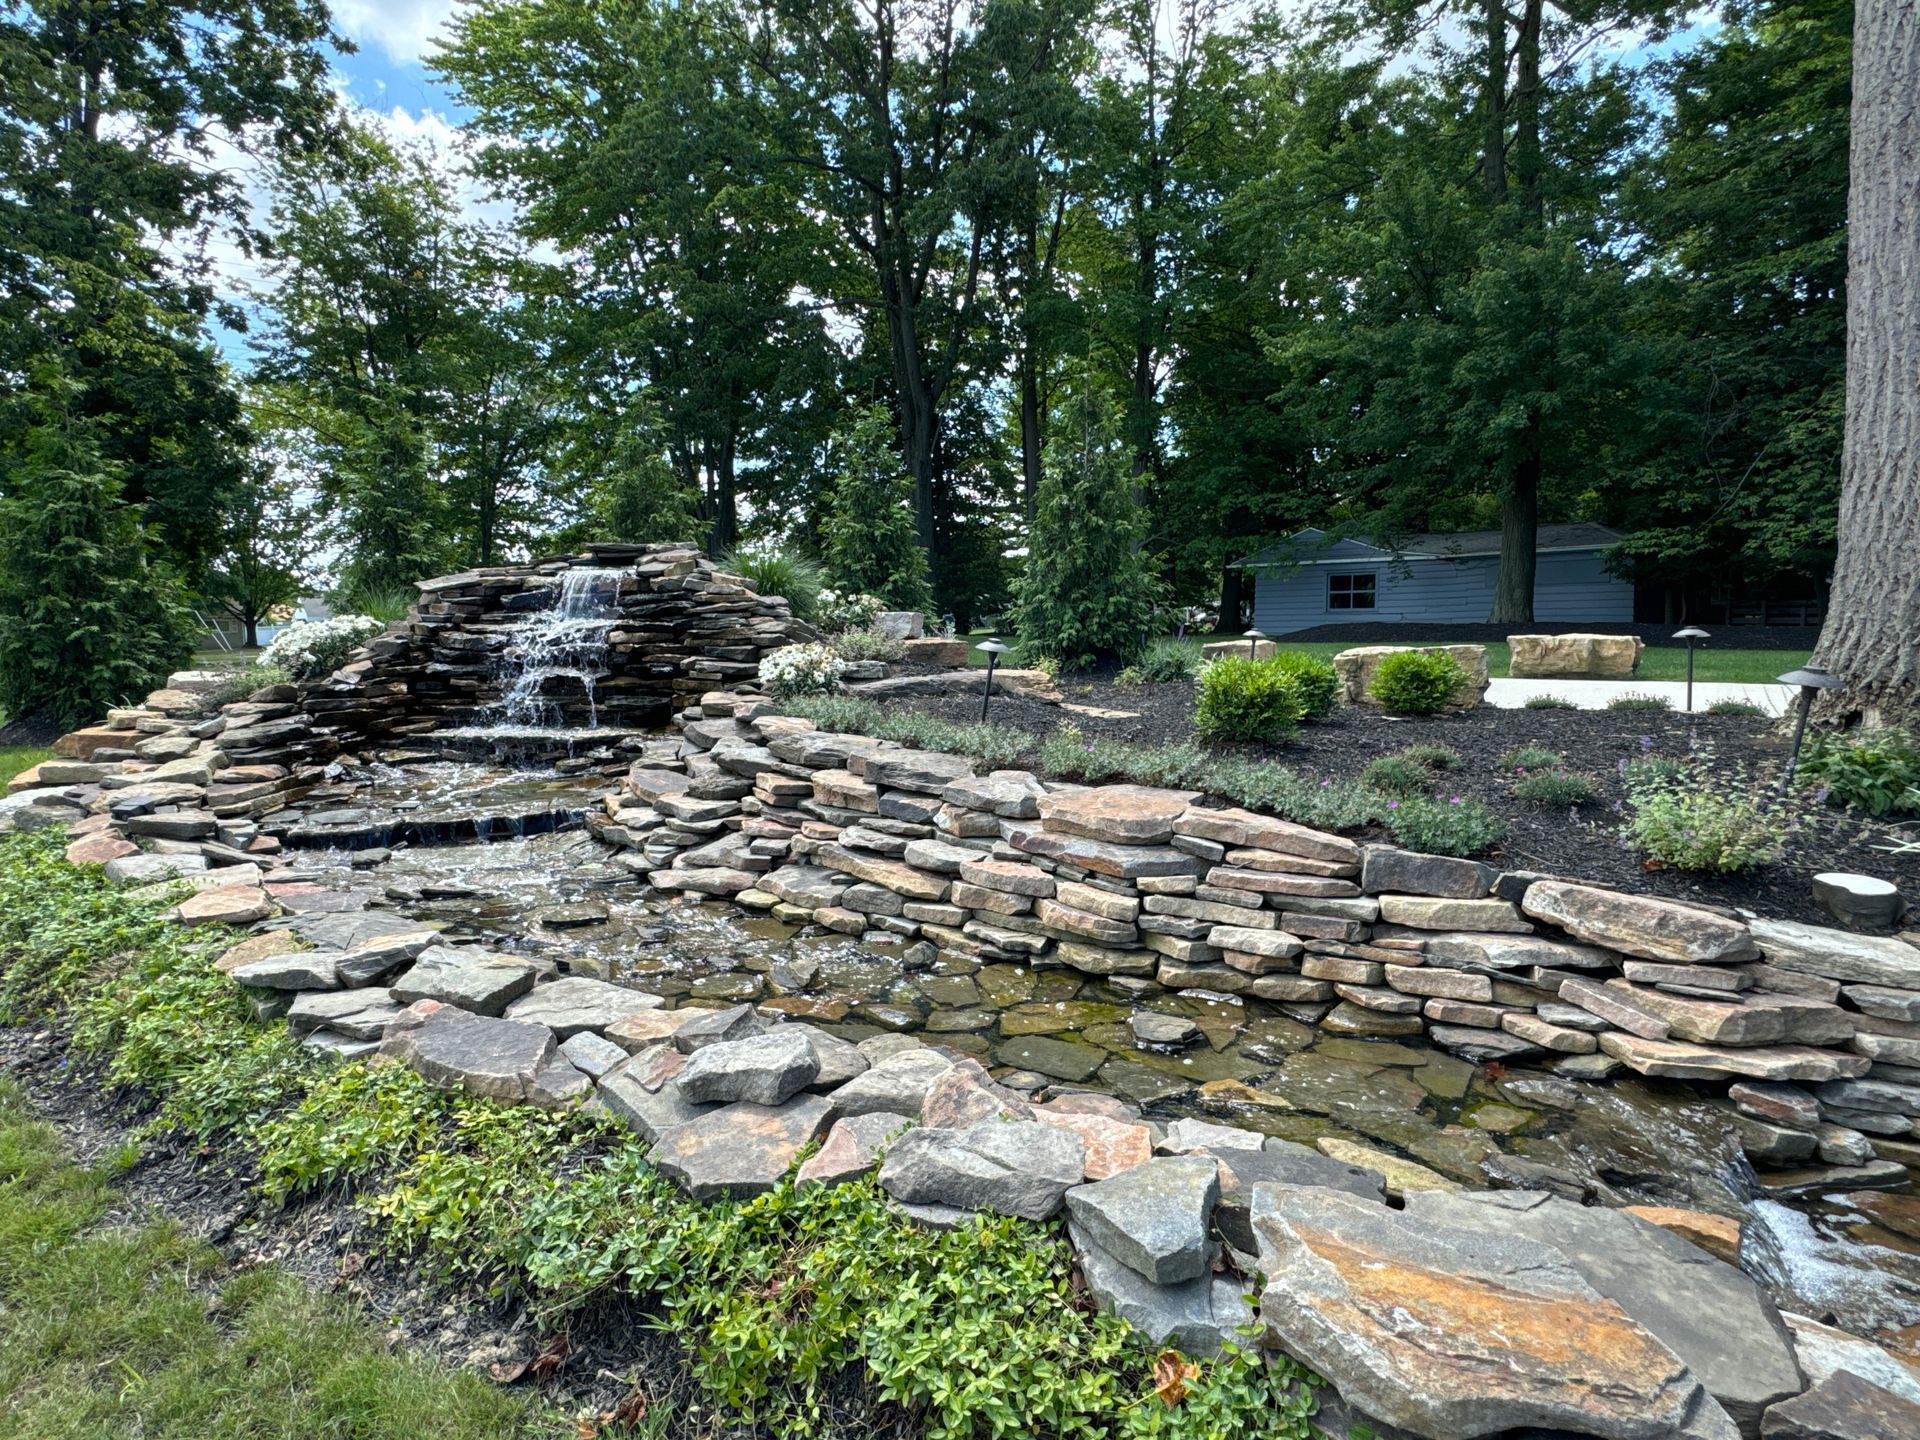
1493,104
1519,529
1526,125
1232,596
1873,613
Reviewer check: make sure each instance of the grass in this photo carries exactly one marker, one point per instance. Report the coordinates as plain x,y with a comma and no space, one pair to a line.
1724,665
15,758
109,1329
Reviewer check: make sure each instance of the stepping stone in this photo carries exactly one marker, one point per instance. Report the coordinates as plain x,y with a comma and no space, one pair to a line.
1704,1310
1510,1335
851,1149
1194,1316
1153,1217
739,1150
896,1084
1117,814
1060,1059
577,1003
358,1014
763,1069
1017,1167
496,1059
468,977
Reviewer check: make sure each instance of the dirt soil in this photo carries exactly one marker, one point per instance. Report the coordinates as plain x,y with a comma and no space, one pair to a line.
1584,843
616,1348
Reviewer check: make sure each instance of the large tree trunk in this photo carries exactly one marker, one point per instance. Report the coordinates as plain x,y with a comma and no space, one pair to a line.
1030,432
1232,595
1526,125
1873,615
1519,529
1493,103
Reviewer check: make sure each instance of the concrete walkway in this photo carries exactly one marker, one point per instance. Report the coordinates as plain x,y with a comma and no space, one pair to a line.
1594,694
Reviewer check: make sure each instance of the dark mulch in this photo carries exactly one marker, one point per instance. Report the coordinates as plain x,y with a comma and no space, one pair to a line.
1732,637
1584,843
36,731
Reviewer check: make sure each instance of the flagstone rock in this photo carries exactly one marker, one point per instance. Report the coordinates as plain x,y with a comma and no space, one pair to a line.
1422,912
1194,1316
640,1094
1515,952
925,772
577,1003
966,1094
468,977
1009,1167
1154,1217
896,1084
495,1059
1407,872
851,1149
1113,1144
362,1014
593,1055
711,1027
263,946
739,1150
298,970
1245,829
1760,1019
1639,924
1187,1136
1718,1235
1119,862
763,1069
143,869
1843,1407
1011,794
381,955
559,1086
1069,1060
1401,1177
99,849
1839,954
1704,1310
1680,1060
1447,1331
1118,814
1279,1162
1822,1350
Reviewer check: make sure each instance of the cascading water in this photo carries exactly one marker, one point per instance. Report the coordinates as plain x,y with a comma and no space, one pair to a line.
566,643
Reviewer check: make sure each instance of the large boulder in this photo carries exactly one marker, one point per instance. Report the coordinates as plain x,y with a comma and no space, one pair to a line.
1450,1331
1589,657
1356,669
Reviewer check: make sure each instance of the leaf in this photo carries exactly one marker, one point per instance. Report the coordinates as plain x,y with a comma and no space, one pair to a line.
538,1368
1171,1372
631,1410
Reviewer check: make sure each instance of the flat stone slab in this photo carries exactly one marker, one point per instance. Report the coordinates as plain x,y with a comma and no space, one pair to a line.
381,955
1195,1315
1843,1407
1120,862
762,1069
739,1150
147,869
497,1059
470,978
578,1003
851,1149
1681,1060
294,970
1447,1331
227,905
1639,924
1247,830
1113,1145
1838,954
639,1093
1153,1217
1017,1167
896,1085
358,1014
1118,814
1704,1310
1011,794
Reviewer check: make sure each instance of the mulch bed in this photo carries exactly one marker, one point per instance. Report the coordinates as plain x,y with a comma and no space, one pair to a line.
1585,843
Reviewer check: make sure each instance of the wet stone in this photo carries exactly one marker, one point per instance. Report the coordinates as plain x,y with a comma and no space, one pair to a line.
1018,1167
739,1150
762,1069
1061,1059
1154,1216
469,978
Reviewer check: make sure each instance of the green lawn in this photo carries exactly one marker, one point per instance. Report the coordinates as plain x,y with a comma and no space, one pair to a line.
109,1329
15,758
1726,665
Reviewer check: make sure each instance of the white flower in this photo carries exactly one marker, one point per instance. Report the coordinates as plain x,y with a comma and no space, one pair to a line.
839,611
317,647
802,670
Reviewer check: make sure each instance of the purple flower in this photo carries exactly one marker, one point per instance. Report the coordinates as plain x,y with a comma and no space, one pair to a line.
1454,801
1393,804
1646,744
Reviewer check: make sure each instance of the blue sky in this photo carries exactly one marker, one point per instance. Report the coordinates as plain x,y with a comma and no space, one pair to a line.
393,39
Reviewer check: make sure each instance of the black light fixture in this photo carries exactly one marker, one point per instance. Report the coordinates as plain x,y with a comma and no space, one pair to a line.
1690,634
1811,679
993,650
1253,638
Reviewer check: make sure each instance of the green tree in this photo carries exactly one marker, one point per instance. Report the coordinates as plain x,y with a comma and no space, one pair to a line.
636,496
1087,590
266,550
88,617
871,545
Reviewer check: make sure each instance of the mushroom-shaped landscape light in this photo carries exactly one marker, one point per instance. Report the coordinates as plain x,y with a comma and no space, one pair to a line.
1253,638
993,650
1690,635
1811,680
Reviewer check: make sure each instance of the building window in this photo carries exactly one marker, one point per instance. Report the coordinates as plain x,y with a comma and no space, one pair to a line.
1350,592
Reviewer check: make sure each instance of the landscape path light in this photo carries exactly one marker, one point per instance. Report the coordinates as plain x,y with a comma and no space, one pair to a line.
1811,679
1253,638
993,650
1690,634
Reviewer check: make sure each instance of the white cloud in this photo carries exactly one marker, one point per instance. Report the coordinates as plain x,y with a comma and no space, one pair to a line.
405,29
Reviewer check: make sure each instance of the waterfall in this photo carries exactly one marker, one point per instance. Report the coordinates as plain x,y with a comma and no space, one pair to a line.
567,642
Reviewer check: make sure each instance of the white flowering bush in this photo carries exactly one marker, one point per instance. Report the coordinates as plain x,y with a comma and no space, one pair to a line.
841,610
317,647
802,670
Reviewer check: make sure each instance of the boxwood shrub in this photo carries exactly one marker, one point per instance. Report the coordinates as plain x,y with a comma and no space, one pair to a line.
1247,700
1417,682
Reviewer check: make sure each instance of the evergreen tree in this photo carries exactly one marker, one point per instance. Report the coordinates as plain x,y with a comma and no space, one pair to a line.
87,618
638,499
872,545
1088,590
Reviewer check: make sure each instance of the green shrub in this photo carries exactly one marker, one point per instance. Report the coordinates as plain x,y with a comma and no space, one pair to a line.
1316,681
1530,757
1737,707
1702,819
1430,756
1547,702
1247,700
245,683
1417,682
1650,769
1443,825
868,644
1396,775
1877,771
1635,700
872,543
1558,788
780,570
388,604
1163,662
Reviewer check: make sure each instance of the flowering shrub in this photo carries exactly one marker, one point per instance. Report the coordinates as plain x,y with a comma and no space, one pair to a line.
1693,817
868,644
802,670
319,646
840,610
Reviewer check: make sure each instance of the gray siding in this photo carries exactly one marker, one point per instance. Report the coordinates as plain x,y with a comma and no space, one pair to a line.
1568,587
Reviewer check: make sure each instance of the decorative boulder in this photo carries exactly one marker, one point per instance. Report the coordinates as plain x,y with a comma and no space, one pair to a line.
1587,657
1239,650
1356,668
901,624
937,651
